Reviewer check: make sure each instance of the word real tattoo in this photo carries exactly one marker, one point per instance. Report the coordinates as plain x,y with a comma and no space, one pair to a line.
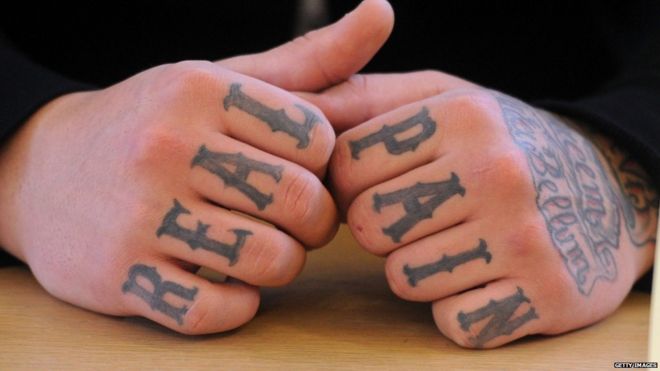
387,135
574,194
639,199
217,162
197,239
447,263
160,288
500,313
277,119
416,211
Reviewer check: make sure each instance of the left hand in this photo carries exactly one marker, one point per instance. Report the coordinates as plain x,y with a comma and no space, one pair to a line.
508,218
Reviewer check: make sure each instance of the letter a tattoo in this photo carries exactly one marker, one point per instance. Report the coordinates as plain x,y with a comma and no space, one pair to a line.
447,263
160,289
215,163
500,313
197,238
388,134
276,119
415,210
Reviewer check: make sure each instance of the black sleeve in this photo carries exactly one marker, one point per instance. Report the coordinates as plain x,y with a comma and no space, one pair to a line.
25,87
627,108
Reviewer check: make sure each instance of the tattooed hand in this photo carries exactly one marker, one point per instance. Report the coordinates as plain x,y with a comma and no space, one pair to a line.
115,197
511,220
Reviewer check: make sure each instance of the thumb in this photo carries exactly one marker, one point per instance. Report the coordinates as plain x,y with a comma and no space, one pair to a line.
363,97
323,57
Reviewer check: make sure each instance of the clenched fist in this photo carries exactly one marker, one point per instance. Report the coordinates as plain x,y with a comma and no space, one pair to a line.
115,197
509,219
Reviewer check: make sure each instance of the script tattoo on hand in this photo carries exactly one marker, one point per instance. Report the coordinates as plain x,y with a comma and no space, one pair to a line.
216,162
574,194
387,135
197,238
276,119
160,288
639,198
439,192
500,313
447,263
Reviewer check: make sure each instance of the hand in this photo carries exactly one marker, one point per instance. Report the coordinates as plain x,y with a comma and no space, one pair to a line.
115,197
511,220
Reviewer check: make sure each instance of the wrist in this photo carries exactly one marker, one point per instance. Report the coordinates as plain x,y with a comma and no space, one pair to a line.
15,157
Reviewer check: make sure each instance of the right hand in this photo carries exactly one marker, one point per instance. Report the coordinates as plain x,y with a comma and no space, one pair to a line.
115,197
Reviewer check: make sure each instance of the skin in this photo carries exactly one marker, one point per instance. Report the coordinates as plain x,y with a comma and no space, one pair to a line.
115,197
545,229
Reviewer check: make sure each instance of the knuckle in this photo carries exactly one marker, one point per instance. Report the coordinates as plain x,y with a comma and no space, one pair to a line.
363,227
510,174
277,262
395,279
474,108
185,77
196,319
299,196
523,241
340,168
463,338
156,145
323,142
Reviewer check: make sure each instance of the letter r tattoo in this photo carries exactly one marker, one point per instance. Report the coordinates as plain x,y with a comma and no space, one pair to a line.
154,296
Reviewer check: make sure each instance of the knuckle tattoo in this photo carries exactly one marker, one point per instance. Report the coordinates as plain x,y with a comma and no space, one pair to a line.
197,238
447,263
276,119
387,135
416,211
217,163
502,318
155,295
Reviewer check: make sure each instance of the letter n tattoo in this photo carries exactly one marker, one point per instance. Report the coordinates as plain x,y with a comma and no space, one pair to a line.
160,288
216,163
197,238
439,192
387,135
500,313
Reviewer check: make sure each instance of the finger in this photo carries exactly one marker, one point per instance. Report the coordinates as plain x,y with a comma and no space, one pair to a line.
184,302
406,138
491,316
206,235
363,97
444,264
277,122
421,202
247,109
239,177
323,57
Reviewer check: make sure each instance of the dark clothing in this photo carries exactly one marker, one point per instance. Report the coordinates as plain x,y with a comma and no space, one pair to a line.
597,61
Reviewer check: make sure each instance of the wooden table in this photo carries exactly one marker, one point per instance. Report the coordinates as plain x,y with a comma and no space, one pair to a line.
338,314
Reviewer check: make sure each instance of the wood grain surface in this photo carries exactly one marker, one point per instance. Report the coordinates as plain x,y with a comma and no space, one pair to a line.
339,314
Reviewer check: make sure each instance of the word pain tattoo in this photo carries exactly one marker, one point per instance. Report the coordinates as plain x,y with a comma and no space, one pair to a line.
639,199
154,296
218,162
574,194
197,238
388,135
416,211
501,321
276,119
447,263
